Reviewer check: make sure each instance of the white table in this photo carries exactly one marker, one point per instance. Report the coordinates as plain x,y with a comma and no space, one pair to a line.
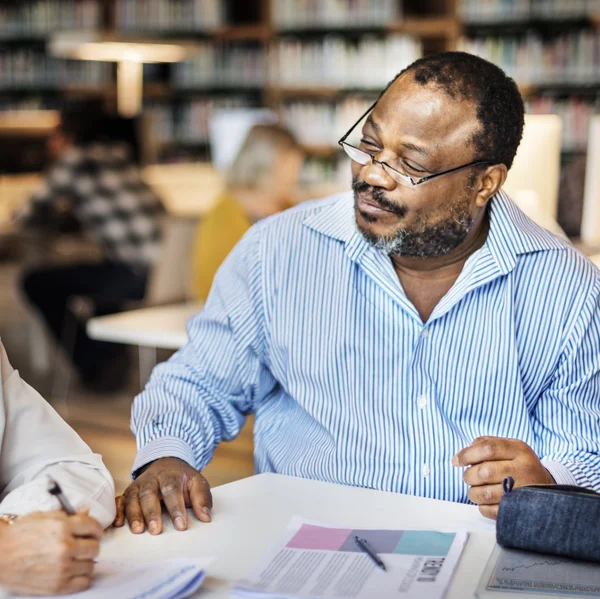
149,328
250,515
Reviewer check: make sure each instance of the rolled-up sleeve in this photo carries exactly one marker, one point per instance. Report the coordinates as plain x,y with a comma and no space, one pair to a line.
38,443
203,394
567,417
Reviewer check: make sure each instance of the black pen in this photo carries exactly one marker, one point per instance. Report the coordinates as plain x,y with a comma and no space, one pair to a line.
364,546
54,489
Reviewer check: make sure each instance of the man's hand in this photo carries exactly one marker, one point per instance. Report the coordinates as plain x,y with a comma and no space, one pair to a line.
490,461
49,553
171,481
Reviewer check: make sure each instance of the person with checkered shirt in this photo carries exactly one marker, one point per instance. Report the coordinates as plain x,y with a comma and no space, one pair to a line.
96,173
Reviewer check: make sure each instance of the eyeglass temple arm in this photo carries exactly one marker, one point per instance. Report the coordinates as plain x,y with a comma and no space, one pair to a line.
453,170
359,120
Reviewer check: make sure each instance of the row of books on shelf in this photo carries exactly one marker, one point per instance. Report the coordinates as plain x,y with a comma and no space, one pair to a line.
336,61
491,11
188,122
299,14
316,171
569,59
333,61
170,15
26,68
222,64
41,17
323,123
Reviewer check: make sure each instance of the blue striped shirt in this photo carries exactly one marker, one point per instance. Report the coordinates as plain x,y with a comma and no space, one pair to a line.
308,327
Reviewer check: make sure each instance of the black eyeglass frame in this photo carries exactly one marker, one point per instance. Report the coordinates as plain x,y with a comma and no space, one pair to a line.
342,142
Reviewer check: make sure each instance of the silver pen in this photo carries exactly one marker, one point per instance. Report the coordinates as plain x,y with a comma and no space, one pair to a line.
364,546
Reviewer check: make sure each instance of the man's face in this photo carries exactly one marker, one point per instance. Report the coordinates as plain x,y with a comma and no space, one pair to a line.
420,131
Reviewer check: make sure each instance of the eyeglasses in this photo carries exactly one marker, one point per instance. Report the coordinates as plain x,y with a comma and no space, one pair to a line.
363,157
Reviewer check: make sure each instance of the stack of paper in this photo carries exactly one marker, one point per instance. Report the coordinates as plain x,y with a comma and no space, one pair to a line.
169,579
312,560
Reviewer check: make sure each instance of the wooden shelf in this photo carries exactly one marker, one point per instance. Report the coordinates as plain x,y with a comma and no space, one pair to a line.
326,93
253,32
427,27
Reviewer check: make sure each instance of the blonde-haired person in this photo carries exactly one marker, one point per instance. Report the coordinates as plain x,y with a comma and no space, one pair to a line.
260,182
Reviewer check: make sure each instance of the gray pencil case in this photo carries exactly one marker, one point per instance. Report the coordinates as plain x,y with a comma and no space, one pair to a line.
555,519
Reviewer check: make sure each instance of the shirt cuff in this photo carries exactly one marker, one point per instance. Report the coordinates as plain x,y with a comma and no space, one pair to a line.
165,447
560,473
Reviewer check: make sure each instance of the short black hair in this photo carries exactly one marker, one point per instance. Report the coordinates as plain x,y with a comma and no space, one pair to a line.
500,108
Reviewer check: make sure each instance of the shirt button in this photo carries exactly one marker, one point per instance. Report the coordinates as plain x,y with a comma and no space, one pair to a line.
425,470
425,333
422,401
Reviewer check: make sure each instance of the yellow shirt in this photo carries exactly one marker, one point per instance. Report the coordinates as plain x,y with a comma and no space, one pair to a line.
217,235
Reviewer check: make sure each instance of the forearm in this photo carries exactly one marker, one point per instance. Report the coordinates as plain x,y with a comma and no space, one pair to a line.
175,417
84,483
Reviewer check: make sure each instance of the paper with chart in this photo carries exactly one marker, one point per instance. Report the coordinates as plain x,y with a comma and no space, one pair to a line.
312,560
540,575
169,579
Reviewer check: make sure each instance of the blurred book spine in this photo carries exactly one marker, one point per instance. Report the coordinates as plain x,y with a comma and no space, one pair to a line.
43,17
368,63
491,11
170,15
27,68
222,65
576,114
568,59
318,171
301,14
323,123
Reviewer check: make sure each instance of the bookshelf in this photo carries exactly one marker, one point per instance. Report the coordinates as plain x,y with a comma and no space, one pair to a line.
315,62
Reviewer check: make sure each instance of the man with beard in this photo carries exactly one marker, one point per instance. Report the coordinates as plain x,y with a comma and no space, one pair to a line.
420,335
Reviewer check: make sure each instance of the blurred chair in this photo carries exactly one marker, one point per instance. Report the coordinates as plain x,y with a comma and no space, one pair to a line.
590,223
536,168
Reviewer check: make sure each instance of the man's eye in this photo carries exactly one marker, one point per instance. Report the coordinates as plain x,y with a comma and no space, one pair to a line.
409,166
369,145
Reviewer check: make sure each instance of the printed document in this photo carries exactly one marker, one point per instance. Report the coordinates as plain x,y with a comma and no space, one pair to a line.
169,579
312,560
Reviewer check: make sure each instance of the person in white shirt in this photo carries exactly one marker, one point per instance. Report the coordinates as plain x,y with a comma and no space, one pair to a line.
43,550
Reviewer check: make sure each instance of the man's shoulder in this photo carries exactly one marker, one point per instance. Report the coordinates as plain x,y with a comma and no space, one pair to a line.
307,216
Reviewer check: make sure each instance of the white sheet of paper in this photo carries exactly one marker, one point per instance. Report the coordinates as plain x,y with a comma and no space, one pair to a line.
169,579
312,560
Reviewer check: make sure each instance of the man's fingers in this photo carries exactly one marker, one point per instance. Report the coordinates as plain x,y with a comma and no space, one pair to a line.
171,490
150,504
487,450
489,511
120,517
133,511
83,526
488,473
486,494
200,498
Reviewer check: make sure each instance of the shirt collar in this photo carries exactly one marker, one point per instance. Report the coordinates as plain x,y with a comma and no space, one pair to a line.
511,233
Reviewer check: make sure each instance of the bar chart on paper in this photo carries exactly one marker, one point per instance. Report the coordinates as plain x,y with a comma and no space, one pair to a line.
312,560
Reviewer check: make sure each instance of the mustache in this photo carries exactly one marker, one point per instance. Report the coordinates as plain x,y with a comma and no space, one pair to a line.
377,196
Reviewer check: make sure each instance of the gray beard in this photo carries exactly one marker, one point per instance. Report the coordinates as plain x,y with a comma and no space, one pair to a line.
429,242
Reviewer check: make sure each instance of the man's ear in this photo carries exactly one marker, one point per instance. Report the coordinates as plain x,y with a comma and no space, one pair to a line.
489,182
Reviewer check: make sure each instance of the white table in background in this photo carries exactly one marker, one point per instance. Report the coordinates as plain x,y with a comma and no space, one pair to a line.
250,515
161,327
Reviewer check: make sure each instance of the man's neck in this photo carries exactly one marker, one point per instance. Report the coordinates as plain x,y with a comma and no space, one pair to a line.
452,263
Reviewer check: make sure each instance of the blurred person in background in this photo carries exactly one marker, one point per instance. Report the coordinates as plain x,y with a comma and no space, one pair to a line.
261,181
95,173
44,551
